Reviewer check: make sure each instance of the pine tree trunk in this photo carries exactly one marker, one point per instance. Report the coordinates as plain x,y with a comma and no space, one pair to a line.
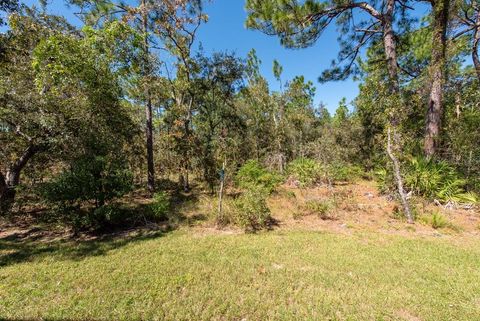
475,47
390,48
437,74
389,44
148,107
149,134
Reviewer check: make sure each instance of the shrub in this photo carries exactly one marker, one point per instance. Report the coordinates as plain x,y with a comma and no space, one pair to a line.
250,210
430,179
253,175
436,220
437,179
307,171
320,208
90,178
345,172
158,209
107,216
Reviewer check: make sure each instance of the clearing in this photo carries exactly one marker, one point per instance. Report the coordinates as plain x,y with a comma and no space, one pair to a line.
357,263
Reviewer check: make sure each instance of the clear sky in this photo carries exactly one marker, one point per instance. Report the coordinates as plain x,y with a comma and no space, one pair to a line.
226,31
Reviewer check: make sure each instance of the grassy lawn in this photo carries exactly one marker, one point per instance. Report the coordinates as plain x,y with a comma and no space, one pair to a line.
295,275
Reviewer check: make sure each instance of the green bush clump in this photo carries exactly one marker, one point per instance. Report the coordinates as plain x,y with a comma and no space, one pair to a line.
320,208
253,175
431,179
437,180
345,172
108,216
250,210
307,171
158,209
79,195
436,220
89,179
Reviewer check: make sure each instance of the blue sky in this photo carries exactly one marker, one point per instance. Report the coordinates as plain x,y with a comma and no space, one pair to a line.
226,31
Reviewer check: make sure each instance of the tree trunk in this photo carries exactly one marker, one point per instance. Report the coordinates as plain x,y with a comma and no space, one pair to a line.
398,178
220,193
9,183
6,196
390,48
437,74
148,105
149,134
476,43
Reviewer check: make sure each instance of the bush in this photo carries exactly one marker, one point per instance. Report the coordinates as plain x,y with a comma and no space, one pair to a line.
90,178
107,216
320,208
345,172
307,171
430,179
436,220
158,209
253,175
250,210
437,179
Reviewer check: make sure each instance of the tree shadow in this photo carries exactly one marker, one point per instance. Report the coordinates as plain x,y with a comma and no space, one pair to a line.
28,246
31,243
49,319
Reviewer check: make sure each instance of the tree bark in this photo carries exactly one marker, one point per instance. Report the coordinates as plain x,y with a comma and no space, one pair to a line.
9,183
148,106
398,178
220,192
3,192
437,73
476,43
390,47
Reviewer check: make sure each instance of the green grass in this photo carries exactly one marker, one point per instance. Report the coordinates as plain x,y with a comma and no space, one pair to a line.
274,275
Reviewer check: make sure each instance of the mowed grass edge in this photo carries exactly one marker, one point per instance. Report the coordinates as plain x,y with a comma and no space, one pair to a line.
294,275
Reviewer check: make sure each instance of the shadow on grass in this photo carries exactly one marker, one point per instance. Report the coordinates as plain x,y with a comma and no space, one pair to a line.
17,248
35,243
49,319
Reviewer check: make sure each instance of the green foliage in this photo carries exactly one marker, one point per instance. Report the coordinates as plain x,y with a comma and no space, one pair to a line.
436,220
381,177
90,178
321,208
345,172
437,180
110,215
307,171
253,175
158,209
250,210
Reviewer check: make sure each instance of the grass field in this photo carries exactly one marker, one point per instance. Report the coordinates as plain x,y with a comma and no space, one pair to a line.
279,275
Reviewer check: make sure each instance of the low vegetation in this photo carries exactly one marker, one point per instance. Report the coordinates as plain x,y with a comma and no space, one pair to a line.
275,275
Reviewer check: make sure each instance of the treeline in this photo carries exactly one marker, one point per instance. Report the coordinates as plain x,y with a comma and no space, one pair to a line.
89,114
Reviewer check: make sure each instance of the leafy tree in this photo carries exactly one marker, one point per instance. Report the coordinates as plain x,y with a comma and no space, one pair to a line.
58,89
169,25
